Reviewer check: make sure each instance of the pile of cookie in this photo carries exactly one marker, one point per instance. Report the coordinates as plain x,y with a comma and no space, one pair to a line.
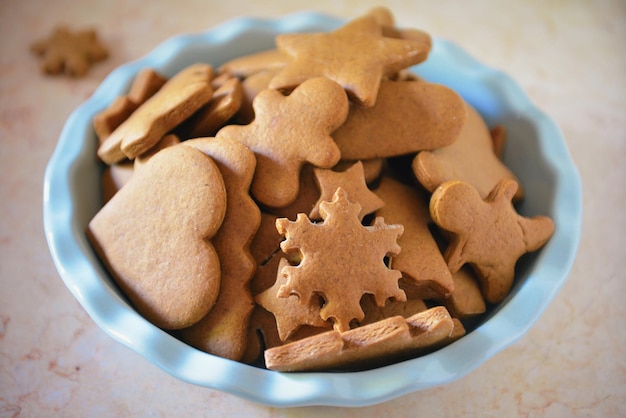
311,207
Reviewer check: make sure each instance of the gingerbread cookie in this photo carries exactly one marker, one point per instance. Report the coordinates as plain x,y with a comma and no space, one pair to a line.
471,158
374,313
114,177
409,116
177,100
420,260
223,331
69,52
466,300
339,269
157,249
489,234
224,104
146,83
289,312
357,56
380,341
252,86
166,141
289,131
248,65
352,180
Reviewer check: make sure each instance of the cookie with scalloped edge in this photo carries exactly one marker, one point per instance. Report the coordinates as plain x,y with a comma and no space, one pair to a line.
223,331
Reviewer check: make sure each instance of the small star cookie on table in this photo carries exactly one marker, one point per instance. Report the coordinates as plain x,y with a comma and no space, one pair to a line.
69,52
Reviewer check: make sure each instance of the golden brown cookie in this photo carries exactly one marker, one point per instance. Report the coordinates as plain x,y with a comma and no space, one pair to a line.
466,300
154,236
420,260
224,104
409,116
110,118
166,141
178,99
356,55
289,312
114,177
471,158
247,65
289,131
364,346
146,83
252,86
352,180
489,234
374,313
223,331
70,52
340,259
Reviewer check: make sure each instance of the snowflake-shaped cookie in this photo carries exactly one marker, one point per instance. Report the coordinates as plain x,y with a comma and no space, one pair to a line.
341,260
69,52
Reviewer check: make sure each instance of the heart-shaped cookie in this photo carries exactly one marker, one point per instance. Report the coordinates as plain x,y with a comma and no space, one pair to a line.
153,236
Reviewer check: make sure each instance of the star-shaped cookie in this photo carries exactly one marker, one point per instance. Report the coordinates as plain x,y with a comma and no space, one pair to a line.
290,314
356,55
287,132
352,181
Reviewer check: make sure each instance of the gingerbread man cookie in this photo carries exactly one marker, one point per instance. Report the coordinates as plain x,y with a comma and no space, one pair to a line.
489,234
287,132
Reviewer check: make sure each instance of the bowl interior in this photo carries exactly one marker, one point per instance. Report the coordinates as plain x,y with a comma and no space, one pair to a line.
535,151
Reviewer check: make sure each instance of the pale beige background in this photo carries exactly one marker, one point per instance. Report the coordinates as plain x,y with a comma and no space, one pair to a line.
567,55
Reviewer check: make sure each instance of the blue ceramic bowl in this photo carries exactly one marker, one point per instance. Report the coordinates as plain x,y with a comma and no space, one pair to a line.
536,152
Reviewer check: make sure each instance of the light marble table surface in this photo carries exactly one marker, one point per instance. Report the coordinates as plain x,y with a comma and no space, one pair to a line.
567,55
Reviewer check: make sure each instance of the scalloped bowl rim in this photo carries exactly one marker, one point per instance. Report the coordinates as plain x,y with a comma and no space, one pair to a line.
492,92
